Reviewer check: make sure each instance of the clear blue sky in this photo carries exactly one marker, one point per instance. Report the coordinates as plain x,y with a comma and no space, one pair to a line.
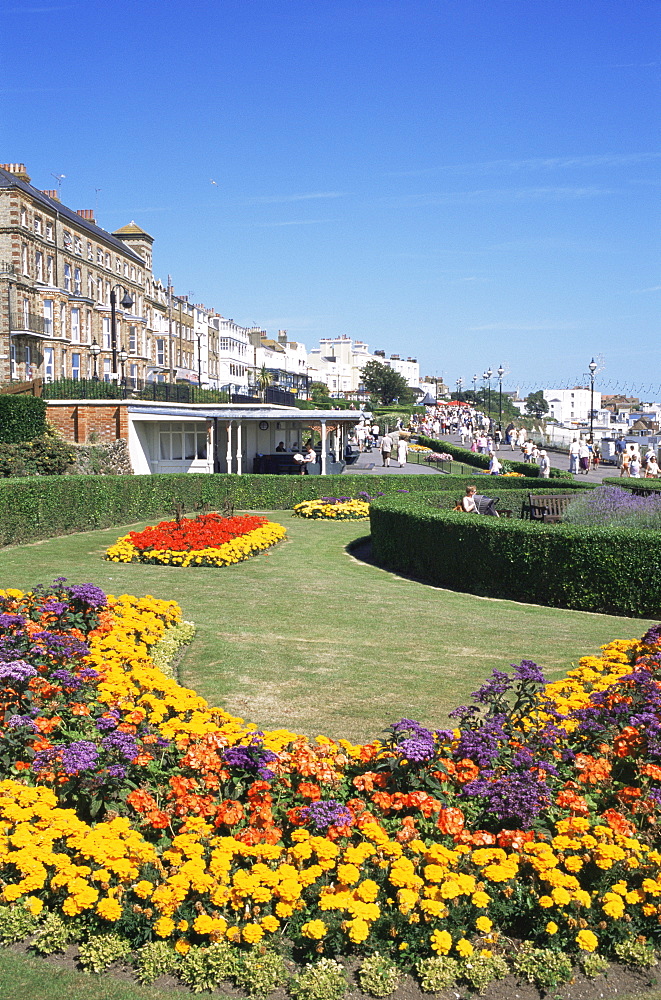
470,182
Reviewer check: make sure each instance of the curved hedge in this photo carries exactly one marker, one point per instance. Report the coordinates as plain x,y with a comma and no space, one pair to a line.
40,507
615,571
469,457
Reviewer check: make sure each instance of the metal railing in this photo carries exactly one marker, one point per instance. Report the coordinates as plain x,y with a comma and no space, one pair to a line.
31,322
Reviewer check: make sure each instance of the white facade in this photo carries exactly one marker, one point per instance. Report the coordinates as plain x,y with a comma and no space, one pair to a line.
571,406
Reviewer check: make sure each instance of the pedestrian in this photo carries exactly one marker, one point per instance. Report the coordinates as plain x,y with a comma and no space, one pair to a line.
402,451
652,469
620,448
498,437
596,455
375,435
495,468
574,449
584,458
309,458
386,448
634,466
544,465
468,504
624,467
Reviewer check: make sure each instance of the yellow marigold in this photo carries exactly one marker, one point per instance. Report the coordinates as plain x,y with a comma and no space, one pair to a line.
34,905
464,947
545,902
560,896
314,929
587,941
358,930
252,933
480,899
109,909
143,889
552,927
164,927
348,874
483,925
441,942
270,923
182,946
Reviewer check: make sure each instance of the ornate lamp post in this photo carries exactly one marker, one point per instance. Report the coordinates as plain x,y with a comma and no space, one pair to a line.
460,385
501,372
475,378
95,350
593,367
126,303
489,374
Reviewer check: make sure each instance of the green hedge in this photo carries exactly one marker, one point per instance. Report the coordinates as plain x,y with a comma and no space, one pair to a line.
482,461
610,570
510,499
22,418
649,485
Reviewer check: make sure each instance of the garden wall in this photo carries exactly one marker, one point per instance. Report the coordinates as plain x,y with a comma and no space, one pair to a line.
611,570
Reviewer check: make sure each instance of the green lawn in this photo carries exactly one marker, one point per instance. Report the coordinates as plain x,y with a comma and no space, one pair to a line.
310,638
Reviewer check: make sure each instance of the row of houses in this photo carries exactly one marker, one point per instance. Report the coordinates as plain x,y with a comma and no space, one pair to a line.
78,302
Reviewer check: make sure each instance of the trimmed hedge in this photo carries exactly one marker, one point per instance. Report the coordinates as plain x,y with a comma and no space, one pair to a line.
510,499
482,461
22,418
649,485
615,571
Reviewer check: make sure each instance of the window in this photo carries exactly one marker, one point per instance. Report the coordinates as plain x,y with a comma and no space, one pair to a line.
160,352
90,285
75,366
63,368
99,290
27,354
133,340
106,369
49,231
39,265
183,441
88,326
49,362
108,261
126,270
49,269
37,224
99,255
24,215
118,265
48,317
78,246
105,333
13,360
63,321
77,280
67,277
90,251
24,259
133,375
75,325
67,240
26,314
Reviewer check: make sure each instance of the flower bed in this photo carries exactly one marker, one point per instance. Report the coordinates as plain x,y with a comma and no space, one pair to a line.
334,509
207,540
135,816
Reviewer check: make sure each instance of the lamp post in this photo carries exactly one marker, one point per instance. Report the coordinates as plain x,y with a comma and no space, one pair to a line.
593,367
123,358
501,372
489,374
199,360
475,378
126,303
460,385
95,350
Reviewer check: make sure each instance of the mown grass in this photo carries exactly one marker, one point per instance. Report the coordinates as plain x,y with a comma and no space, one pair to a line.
309,638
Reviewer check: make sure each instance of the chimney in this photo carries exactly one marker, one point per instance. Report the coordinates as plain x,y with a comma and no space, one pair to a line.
18,170
52,194
86,213
394,357
282,336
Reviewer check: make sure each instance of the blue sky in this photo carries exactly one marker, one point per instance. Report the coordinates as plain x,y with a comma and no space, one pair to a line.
469,182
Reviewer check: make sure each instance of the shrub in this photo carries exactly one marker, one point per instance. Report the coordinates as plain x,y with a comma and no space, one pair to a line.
203,968
22,418
469,457
323,980
102,950
609,570
16,923
543,966
480,970
259,973
593,964
47,455
611,505
636,952
158,958
438,973
379,976
53,935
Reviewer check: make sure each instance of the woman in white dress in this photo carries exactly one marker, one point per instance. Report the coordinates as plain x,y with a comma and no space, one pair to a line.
402,451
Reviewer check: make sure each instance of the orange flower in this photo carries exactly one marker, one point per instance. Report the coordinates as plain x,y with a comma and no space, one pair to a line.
309,790
651,771
618,823
78,708
592,770
568,799
451,821
229,812
627,743
467,771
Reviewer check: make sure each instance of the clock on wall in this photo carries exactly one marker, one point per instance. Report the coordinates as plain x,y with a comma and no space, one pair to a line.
263,425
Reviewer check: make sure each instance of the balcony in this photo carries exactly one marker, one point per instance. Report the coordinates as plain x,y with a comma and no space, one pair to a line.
28,325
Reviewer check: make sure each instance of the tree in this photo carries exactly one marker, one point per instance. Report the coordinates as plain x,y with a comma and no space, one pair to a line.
319,392
388,385
536,405
263,380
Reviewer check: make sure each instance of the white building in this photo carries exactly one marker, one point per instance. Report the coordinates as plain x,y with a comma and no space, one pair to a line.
572,406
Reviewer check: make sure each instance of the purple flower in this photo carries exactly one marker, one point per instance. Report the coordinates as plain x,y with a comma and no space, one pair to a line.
44,758
123,743
325,813
529,671
81,755
117,771
60,646
53,607
67,679
87,593
9,620
16,671
498,684
252,758
108,722
17,721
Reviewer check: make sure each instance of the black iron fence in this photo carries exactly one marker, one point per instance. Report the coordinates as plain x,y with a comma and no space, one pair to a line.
166,392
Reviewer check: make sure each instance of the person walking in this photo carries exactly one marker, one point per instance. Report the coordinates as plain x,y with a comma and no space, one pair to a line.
634,466
375,435
402,451
574,449
624,467
386,448
495,468
652,468
584,458
544,465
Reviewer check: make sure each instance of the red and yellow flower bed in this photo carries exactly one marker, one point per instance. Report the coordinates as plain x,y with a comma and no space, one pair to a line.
207,540
128,803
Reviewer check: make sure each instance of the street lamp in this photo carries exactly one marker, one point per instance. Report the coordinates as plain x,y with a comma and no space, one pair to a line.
475,378
126,303
95,350
501,372
593,367
123,358
489,374
460,385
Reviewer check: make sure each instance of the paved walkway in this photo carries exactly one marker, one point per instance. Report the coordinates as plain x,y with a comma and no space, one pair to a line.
371,463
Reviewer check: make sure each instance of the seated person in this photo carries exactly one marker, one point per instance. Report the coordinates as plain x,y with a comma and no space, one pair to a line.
475,503
468,504
281,446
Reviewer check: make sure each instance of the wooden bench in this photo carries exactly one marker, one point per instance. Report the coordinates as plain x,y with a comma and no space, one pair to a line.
546,507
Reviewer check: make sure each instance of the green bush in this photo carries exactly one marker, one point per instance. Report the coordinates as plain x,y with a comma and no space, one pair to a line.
323,980
22,418
102,950
55,934
157,958
46,455
16,923
437,973
543,967
378,975
469,457
610,570
259,972
203,968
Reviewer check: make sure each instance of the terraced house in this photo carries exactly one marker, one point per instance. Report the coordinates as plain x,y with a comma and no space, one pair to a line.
58,271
